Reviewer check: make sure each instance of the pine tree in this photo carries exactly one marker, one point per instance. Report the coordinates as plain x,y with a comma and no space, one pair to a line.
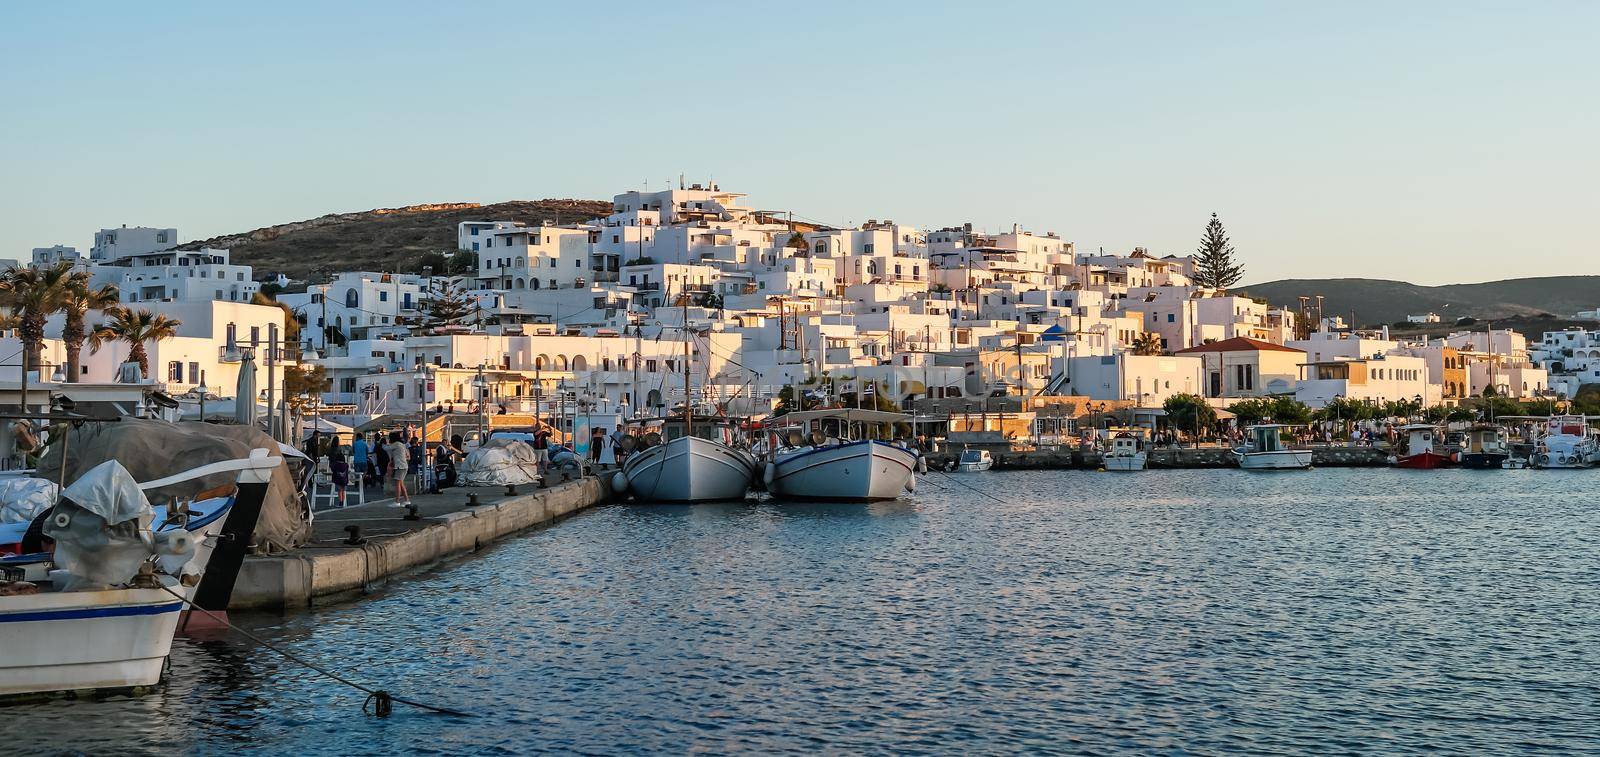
446,305
1214,266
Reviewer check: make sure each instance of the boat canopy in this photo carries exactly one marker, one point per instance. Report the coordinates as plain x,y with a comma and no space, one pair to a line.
849,414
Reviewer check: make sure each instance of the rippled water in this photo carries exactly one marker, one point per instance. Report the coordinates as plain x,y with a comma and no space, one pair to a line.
1330,611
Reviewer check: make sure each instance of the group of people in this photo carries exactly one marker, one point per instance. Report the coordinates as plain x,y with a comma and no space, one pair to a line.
386,462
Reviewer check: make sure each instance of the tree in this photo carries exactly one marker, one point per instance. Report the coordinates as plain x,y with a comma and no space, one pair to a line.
291,319
797,241
134,327
434,262
305,381
1214,266
446,305
1147,344
82,298
33,295
1189,413
464,261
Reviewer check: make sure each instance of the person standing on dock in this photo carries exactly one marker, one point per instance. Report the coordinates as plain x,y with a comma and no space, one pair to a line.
358,458
399,464
597,442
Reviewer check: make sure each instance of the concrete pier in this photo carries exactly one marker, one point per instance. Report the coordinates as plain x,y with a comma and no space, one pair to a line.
1168,457
328,570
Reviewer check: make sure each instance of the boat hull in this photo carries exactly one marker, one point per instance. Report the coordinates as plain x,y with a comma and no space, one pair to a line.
85,640
1289,459
1424,461
1124,463
975,467
1484,460
690,469
853,471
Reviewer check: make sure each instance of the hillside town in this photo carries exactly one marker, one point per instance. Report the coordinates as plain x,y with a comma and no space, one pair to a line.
945,323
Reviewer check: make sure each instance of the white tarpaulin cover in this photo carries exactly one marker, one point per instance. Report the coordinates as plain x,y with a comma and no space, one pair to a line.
23,498
97,527
500,462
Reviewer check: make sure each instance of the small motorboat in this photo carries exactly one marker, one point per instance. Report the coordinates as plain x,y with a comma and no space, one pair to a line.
99,612
974,461
1127,453
1265,450
1486,448
1420,452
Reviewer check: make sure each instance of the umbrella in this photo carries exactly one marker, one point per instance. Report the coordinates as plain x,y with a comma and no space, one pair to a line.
245,403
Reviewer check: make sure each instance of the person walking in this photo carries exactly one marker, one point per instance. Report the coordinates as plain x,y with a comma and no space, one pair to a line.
339,471
418,457
541,448
597,444
359,458
399,464
380,462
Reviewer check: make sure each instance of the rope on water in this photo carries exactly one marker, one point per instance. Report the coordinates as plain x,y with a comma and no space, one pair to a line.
966,485
380,701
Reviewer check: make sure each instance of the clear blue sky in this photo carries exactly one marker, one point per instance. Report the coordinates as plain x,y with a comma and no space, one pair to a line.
1434,142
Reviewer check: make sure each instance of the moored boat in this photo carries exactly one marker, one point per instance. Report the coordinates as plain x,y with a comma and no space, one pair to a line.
698,463
99,613
975,461
1566,443
1265,450
1486,448
1420,452
1126,454
842,461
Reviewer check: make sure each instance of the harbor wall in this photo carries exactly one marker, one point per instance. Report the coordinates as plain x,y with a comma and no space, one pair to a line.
1170,457
323,574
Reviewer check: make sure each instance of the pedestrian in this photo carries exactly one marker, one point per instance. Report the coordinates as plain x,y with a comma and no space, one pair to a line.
419,459
541,447
359,459
618,451
380,456
399,463
339,470
597,443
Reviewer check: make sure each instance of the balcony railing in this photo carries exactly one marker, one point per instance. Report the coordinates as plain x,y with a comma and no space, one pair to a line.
285,353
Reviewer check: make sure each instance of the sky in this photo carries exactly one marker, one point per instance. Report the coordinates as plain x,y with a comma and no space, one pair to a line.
1429,142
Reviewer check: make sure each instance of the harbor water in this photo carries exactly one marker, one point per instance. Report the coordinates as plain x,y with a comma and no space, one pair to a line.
1337,610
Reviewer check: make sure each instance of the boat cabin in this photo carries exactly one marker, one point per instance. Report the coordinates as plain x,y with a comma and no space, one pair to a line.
1486,439
1124,445
819,427
1267,437
976,457
1420,438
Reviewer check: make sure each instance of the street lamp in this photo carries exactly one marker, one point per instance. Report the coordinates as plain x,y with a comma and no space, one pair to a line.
200,390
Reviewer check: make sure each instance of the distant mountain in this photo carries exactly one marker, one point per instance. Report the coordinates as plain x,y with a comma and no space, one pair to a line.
1377,301
386,239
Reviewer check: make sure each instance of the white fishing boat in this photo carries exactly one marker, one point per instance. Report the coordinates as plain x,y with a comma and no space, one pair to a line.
831,455
687,467
99,613
1566,443
1127,453
974,461
1265,450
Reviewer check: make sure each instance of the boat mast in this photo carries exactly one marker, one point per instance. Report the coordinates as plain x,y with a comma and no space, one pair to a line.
688,402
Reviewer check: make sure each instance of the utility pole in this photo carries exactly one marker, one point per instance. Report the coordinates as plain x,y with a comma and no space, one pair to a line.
272,382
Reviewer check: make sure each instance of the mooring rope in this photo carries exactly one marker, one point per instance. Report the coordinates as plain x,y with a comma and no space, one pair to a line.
380,701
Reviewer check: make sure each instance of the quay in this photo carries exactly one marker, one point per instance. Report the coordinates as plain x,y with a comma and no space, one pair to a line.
327,569
1165,457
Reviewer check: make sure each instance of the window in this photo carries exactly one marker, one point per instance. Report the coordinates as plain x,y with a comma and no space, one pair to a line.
399,391
175,372
255,334
383,297
1172,317
194,373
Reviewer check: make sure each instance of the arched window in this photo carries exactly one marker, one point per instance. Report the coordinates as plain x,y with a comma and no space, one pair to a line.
561,362
520,283
541,363
605,364
535,283
352,298
579,363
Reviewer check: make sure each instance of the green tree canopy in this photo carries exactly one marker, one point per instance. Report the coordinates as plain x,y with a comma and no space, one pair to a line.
1214,264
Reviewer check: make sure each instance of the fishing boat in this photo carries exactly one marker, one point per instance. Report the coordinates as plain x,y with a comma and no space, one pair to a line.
1127,453
1486,448
99,612
832,455
684,460
1420,452
975,461
1265,450
1566,443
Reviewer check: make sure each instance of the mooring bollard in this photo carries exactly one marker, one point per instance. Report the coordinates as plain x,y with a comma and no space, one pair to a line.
472,499
511,490
412,513
355,539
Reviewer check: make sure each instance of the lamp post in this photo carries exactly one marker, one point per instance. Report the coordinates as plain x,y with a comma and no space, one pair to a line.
200,389
481,385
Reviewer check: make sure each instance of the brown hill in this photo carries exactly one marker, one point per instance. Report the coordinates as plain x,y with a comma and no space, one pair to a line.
386,239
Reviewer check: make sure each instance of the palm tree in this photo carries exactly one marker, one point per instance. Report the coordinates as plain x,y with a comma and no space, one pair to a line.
134,327
1147,344
33,295
82,298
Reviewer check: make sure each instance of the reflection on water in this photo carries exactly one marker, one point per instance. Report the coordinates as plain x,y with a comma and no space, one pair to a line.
1335,610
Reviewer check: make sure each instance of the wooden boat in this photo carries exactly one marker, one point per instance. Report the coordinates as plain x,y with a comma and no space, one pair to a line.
831,455
975,461
1486,448
1420,452
1265,450
1127,453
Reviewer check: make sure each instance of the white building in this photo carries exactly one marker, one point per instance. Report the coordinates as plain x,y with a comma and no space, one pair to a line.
115,244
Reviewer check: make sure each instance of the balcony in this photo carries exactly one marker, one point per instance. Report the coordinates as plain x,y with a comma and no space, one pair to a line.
285,353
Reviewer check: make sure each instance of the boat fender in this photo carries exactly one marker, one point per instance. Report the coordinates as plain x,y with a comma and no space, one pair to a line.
922,464
768,474
175,542
1544,459
911,484
619,482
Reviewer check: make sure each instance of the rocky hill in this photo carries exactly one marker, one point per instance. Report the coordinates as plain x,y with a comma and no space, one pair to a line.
1376,301
386,239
